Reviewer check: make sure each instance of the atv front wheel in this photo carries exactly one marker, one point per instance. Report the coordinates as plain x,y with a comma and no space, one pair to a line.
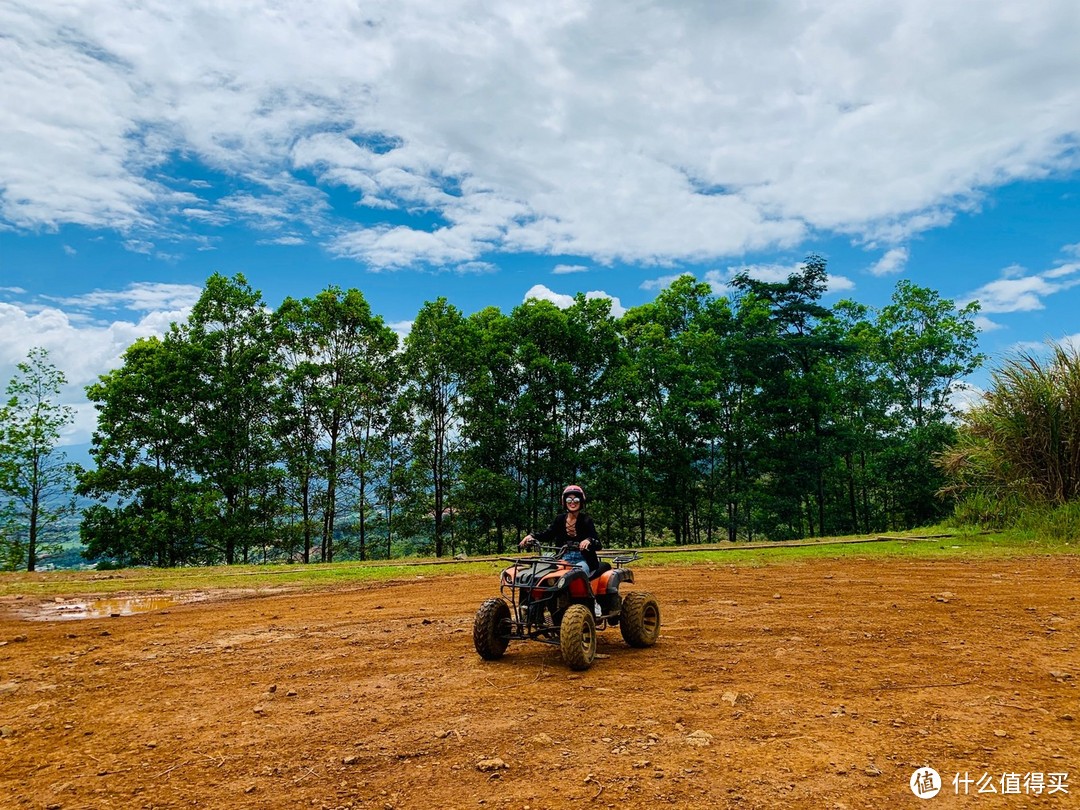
640,619
577,637
491,629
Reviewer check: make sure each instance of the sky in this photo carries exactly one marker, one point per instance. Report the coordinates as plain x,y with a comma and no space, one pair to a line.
490,152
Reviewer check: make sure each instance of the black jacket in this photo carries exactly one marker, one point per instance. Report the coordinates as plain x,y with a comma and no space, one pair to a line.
556,535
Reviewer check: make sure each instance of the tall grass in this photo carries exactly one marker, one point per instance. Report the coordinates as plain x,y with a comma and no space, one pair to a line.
1018,452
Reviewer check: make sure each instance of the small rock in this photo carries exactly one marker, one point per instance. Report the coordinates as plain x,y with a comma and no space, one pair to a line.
944,596
730,697
1060,675
1000,733
542,739
350,760
490,765
272,688
291,693
777,596
699,737
259,709
872,770
19,638
6,732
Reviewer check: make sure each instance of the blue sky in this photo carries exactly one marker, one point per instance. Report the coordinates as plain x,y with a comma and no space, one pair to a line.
492,151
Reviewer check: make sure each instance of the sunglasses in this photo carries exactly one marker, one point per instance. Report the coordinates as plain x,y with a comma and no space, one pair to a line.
573,499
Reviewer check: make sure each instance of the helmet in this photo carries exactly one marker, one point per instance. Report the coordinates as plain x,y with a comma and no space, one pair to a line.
573,489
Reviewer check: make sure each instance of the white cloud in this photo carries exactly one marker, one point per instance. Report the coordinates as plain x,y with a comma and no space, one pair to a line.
648,132
1071,342
891,263
1017,292
401,329
664,282
86,337
562,301
564,269
138,297
985,324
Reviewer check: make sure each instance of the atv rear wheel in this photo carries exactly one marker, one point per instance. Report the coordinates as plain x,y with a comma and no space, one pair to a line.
639,620
491,629
577,637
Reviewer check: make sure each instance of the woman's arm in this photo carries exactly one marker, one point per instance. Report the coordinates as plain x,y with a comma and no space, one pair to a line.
552,532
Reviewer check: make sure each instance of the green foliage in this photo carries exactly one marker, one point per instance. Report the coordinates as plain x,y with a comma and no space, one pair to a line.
304,434
35,477
1017,454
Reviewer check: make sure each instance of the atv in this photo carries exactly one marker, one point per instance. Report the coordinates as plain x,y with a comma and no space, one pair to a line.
548,599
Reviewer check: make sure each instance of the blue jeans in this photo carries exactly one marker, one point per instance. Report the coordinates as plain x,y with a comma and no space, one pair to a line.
578,560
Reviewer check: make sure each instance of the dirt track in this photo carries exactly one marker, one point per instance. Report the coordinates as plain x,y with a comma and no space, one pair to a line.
823,685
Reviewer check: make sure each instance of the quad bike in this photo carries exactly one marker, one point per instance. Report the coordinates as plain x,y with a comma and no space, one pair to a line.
550,600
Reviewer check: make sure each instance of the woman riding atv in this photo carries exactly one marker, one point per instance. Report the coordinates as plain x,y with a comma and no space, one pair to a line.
573,531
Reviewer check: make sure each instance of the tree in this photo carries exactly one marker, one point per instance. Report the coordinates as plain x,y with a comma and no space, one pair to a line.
433,360
670,389
925,344
226,347
792,353
36,480
338,385
187,465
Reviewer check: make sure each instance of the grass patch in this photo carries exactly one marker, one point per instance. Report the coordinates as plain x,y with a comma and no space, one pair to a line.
226,577
951,545
944,543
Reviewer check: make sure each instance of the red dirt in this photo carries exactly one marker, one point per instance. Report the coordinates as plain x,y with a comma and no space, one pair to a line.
823,684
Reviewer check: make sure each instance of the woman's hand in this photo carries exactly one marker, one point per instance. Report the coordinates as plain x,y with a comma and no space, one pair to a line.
584,545
526,541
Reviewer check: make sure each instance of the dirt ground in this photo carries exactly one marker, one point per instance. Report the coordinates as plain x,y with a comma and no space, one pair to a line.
821,684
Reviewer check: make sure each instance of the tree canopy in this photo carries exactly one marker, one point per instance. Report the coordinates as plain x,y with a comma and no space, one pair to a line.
307,432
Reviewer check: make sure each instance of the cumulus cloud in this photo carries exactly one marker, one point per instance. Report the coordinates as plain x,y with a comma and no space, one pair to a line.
647,132
663,282
565,269
1020,291
563,301
86,336
891,263
138,297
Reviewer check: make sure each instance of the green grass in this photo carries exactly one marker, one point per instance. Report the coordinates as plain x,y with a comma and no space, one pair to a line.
950,543
955,545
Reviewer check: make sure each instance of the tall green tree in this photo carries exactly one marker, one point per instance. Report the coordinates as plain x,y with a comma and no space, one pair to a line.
150,509
433,360
793,354
227,348
667,344
488,489
340,381
925,345
36,480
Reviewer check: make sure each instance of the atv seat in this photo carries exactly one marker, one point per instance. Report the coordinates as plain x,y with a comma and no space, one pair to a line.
604,567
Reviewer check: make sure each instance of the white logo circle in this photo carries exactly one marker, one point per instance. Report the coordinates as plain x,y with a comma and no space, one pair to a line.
925,783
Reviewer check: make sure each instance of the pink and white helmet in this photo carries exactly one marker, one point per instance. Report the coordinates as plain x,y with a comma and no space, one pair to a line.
573,489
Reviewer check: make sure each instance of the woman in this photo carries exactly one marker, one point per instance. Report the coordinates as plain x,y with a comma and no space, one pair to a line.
573,530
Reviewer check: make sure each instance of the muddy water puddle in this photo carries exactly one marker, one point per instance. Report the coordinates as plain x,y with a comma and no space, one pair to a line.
110,607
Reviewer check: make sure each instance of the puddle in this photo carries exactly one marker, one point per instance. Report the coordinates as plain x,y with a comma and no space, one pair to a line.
110,607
